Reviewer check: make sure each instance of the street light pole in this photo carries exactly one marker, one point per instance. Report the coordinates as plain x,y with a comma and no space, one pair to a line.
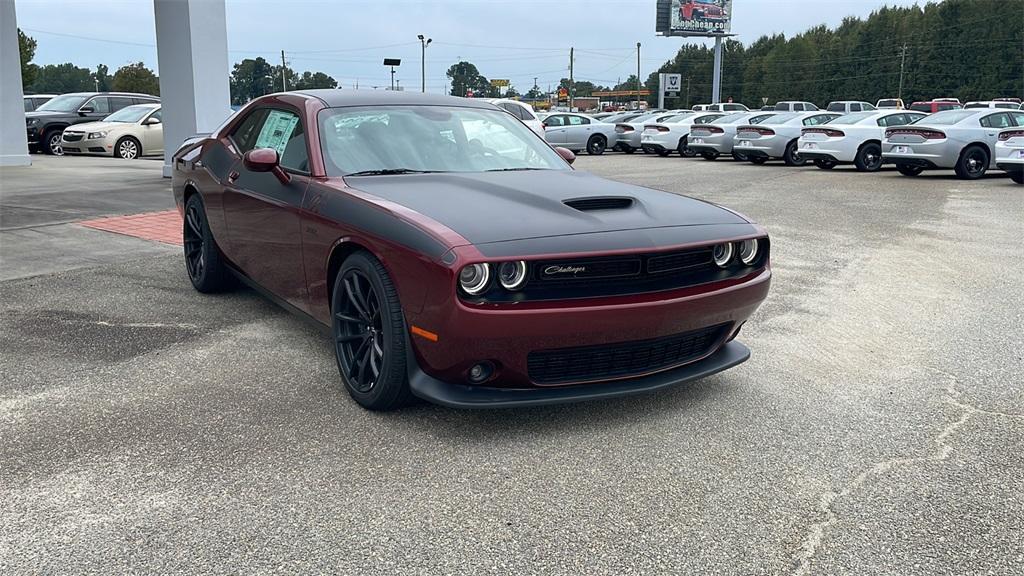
424,42
637,75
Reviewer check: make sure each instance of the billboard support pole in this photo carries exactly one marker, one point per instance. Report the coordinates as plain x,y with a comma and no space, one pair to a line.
716,86
661,91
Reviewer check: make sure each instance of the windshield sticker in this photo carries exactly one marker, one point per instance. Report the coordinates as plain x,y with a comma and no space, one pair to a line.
277,130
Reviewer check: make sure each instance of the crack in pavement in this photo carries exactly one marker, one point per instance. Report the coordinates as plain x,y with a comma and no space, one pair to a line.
816,534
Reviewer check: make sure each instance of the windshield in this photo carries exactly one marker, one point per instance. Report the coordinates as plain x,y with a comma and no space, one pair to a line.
129,114
430,139
852,118
947,117
730,119
780,118
65,103
888,102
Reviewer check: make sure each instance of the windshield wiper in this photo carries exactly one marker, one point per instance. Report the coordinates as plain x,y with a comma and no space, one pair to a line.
514,169
390,171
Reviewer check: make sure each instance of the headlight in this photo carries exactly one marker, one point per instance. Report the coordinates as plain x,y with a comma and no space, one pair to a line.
748,251
512,275
474,278
31,121
95,135
723,254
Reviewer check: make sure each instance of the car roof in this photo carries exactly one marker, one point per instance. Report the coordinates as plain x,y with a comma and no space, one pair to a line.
41,95
335,98
134,94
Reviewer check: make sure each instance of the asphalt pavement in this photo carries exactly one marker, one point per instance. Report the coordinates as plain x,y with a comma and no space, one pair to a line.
877,429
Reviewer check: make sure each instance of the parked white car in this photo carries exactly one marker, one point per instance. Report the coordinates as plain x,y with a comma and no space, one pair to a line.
717,137
727,107
777,137
855,138
130,133
578,132
795,106
1004,104
662,138
890,103
963,140
1010,153
849,106
629,132
520,110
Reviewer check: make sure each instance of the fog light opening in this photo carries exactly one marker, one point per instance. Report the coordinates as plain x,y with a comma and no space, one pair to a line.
480,372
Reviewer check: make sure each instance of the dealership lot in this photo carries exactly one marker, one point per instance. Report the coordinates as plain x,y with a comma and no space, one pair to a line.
876,429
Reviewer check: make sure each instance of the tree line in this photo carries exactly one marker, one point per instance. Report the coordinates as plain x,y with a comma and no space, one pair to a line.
970,49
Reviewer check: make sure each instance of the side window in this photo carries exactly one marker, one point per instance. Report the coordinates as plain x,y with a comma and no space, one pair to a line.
282,131
577,120
1018,117
1001,120
29,106
707,119
525,113
855,108
99,104
556,121
118,102
512,109
892,120
158,114
798,107
819,119
245,134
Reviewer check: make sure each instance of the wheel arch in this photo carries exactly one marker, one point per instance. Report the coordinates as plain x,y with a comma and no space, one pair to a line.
342,249
128,137
874,141
983,146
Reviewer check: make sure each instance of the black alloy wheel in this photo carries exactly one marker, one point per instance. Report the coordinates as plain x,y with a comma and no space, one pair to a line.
53,144
792,157
869,158
685,150
202,256
596,145
369,334
909,169
739,156
973,163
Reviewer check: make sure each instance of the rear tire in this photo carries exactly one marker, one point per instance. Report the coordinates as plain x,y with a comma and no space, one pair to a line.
972,164
868,158
368,327
596,145
739,156
791,157
709,156
909,169
825,164
684,150
203,262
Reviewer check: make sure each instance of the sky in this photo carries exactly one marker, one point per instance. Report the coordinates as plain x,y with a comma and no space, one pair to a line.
517,40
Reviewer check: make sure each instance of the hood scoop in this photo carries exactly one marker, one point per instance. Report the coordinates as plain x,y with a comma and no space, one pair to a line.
600,203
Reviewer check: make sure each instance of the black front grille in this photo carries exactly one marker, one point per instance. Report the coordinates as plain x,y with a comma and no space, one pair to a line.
569,270
678,261
73,136
623,359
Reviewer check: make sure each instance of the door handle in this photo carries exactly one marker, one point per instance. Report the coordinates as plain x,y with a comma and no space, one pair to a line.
232,176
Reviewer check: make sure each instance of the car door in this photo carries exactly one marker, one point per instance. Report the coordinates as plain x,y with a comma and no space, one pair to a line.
577,132
556,129
153,133
262,213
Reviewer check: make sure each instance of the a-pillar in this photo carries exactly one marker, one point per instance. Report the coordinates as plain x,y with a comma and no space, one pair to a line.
192,51
13,138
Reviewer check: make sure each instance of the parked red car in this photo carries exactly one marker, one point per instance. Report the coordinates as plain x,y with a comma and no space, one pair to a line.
455,256
691,9
933,106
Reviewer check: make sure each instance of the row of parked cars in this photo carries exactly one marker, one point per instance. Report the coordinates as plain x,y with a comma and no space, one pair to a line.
120,124
970,141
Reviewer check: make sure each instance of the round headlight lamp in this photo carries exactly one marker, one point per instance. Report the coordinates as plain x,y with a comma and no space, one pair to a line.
723,254
749,250
512,275
474,278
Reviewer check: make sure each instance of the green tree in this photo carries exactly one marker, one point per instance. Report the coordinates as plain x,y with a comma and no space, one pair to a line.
313,80
465,76
27,51
61,78
251,79
136,78
102,77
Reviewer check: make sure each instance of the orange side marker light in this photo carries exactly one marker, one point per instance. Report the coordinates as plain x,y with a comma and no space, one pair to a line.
424,333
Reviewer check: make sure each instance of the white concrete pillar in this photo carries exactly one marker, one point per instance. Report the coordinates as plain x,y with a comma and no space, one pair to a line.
192,51
13,139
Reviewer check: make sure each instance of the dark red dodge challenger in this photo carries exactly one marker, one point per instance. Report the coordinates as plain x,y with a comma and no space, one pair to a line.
457,257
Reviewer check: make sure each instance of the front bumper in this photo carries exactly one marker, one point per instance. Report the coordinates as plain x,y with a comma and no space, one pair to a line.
96,146
464,396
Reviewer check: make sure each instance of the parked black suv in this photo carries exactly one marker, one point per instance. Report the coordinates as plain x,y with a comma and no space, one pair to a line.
47,122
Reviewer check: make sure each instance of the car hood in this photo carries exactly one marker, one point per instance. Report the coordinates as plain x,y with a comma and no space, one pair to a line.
99,126
486,207
48,114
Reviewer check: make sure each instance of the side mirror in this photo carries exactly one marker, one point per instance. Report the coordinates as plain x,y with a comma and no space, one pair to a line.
265,160
150,121
86,110
566,154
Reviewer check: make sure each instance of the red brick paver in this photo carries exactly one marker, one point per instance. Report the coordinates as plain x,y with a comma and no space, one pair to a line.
157,226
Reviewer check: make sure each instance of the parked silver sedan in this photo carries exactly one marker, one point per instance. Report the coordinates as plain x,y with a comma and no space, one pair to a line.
629,132
1010,153
963,140
855,138
672,133
716,138
578,132
776,137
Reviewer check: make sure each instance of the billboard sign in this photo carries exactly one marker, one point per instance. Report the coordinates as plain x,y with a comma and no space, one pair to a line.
694,17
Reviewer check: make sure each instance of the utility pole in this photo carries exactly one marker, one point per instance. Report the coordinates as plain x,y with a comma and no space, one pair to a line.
572,84
637,75
284,80
424,42
716,81
903,62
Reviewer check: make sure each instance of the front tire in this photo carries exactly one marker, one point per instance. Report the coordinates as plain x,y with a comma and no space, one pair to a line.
791,157
203,262
369,334
972,164
909,169
868,158
596,145
52,143
127,148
